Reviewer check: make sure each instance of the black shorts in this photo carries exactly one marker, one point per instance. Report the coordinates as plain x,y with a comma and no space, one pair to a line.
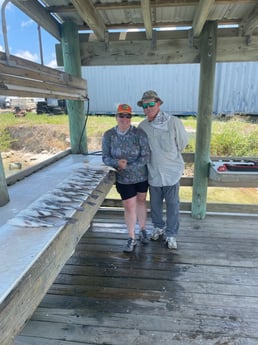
128,191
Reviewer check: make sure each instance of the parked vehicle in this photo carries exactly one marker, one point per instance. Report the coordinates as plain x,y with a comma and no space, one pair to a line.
51,106
5,102
23,103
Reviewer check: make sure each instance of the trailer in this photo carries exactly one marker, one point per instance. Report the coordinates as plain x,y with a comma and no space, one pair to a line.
23,104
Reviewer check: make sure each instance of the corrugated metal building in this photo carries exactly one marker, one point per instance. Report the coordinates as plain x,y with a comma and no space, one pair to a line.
236,87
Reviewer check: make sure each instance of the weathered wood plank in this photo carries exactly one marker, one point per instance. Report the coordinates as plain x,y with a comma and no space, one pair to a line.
163,331
175,272
173,49
4,196
29,69
223,208
20,77
206,292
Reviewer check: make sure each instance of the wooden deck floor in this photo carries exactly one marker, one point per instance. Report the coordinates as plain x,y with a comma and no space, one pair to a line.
204,293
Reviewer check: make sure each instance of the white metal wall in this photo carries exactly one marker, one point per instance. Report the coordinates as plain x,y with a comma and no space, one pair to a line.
236,87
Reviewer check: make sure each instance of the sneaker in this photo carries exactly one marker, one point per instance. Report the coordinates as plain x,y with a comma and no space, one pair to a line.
171,242
129,247
143,237
156,233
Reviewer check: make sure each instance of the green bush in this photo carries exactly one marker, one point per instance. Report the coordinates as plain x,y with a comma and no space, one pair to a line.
234,138
5,140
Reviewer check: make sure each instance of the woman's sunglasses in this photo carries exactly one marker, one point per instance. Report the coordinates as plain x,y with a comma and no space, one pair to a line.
150,104
124,116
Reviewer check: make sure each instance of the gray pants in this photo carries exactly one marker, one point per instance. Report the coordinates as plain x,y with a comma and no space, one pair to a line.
171,196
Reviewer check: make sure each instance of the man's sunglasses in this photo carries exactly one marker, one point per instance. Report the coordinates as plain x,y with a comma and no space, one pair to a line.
124,116
150,104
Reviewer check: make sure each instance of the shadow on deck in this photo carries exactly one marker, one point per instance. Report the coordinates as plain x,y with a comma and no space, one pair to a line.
204,293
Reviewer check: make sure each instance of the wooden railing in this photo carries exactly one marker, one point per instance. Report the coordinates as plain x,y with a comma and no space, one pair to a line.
187,181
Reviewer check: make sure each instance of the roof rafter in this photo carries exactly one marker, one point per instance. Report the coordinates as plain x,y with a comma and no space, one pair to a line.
201,15
146,13
91,17
250,23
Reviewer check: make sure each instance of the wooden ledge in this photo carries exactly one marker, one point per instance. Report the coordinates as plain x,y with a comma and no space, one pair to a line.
23,78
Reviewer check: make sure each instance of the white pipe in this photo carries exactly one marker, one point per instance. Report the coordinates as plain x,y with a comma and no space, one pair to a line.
4,29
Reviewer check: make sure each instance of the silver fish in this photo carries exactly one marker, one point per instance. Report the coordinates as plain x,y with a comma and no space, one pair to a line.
71,192
32,222
94,196
90,203
61,206
47,212
62,196
43,211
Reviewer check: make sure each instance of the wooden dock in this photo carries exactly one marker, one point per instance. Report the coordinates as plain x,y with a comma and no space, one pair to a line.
206,292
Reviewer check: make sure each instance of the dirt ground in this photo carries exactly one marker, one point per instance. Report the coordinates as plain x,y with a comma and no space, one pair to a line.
32,145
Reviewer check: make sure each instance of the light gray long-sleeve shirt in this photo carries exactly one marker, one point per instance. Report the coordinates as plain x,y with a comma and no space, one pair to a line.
167,139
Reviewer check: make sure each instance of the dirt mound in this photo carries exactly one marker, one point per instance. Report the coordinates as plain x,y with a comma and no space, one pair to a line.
40,138
31,145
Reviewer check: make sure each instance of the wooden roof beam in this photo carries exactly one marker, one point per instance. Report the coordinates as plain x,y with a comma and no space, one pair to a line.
250,23
201,15
89,14
109,6
137,4
40,15
146,13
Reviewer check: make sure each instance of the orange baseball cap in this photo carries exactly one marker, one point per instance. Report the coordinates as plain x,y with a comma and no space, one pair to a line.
124,108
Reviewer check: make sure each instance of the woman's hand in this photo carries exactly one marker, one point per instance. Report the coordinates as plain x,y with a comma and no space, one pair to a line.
122,163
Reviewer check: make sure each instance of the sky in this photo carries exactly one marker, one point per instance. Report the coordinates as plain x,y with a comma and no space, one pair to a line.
23,37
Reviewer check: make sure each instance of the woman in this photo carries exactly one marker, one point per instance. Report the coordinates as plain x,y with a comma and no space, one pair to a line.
126,148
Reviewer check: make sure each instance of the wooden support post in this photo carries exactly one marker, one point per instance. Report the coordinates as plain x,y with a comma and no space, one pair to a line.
72,65
4,196
208,44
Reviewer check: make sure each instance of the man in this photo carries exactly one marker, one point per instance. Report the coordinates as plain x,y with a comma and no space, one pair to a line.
167,139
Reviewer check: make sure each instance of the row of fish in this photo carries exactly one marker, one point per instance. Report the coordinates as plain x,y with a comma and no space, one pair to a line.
51,209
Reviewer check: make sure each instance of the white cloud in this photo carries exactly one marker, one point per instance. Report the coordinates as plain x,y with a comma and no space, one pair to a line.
52,63
27,23
1,48
27,55
8,5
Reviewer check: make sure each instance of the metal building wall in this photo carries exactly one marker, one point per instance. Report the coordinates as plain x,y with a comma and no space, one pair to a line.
236,87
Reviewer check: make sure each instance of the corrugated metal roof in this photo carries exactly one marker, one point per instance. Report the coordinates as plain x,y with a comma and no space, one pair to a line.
123,14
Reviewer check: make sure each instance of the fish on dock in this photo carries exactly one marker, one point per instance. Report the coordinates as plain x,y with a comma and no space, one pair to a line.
33,222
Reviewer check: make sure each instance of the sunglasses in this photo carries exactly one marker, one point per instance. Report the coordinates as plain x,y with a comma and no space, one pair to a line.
124,116
150,104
